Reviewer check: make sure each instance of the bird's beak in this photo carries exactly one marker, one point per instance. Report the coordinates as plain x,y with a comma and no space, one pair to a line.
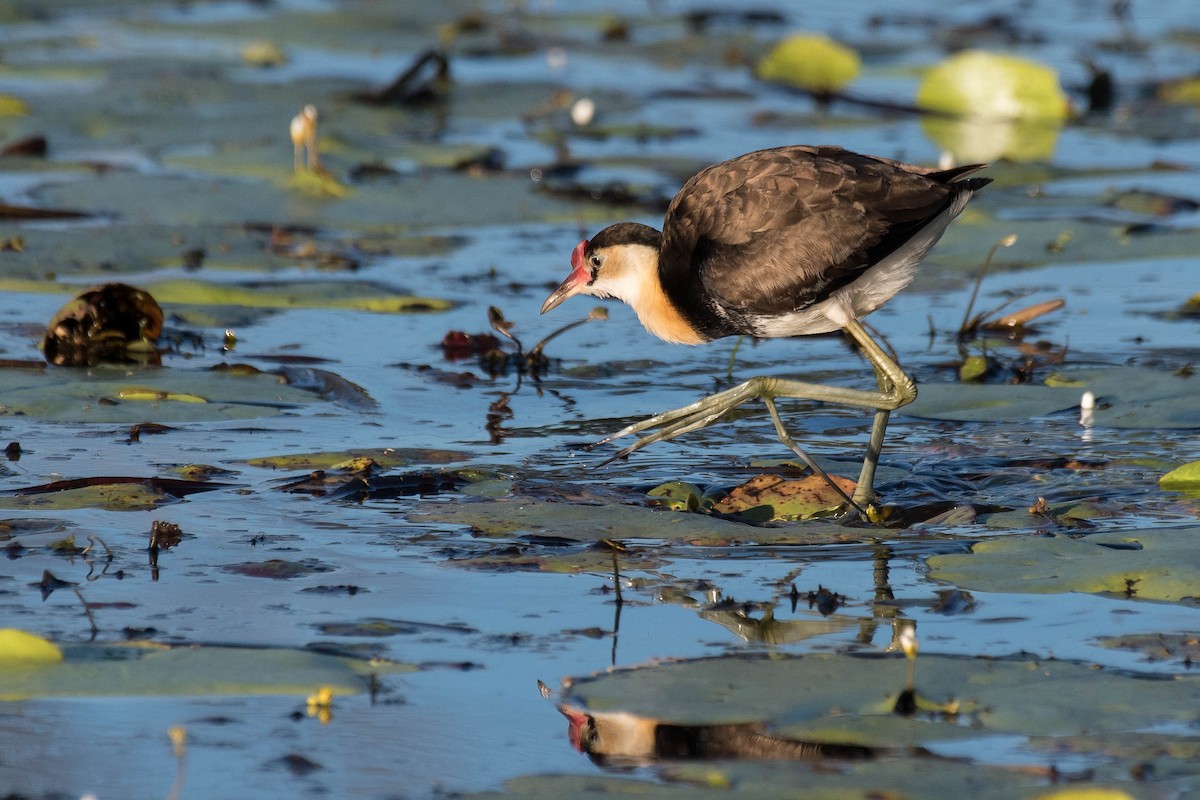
575,283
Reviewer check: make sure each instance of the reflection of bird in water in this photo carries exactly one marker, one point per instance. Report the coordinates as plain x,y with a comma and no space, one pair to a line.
624,738
771,630
304,138
782,242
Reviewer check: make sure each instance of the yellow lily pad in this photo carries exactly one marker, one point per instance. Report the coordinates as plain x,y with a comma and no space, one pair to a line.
810,61
991,105
1182,478
12,106
156,395
995,85
21,649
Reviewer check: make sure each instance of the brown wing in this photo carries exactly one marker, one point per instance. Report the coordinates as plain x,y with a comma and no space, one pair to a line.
777,230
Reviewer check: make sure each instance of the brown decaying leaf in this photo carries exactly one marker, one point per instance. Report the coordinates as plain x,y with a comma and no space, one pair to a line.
106,323
786,498
1019,319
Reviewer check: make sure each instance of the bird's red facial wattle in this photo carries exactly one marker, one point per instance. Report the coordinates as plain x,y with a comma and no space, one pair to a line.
575,283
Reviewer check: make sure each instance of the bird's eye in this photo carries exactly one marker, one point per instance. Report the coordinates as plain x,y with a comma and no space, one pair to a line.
595,262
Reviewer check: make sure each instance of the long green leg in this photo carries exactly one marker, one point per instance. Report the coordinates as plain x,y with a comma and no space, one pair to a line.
895,389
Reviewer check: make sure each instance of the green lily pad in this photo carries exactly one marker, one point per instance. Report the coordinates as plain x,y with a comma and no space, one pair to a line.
110,494
850,698
131,395
989,402
766,780
385,457
593,523
1146,564
114,671
676,496
1180,479
1127,397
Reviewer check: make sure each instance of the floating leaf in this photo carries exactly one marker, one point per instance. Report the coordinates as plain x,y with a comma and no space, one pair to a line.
12,106
21,649
113,671
1086,793
676,496
766,498
1182,478
995,85
1149,565
810,61
170,395
263,53
157,396
319,183
1181,90
991,105
973,368
385,457
109,493
1128,397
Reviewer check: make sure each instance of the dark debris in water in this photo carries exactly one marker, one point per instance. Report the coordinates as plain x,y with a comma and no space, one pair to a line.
278,569
113,322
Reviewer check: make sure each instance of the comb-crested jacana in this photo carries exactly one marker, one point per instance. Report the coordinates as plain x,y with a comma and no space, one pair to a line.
781,242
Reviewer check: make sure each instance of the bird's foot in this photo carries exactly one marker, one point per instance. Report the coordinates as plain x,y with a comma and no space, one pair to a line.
679,421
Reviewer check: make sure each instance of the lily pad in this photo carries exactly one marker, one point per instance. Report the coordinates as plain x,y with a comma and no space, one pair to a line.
385,457
850,698
994,85
114,671
992,105
21,649
820,779
167,395
767,498
1145,564
1180,479
812,62
592,523
1127,397
110,494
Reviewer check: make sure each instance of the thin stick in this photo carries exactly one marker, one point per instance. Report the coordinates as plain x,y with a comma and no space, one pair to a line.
88,611
1007,241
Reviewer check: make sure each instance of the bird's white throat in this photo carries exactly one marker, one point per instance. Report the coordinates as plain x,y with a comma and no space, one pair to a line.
630,274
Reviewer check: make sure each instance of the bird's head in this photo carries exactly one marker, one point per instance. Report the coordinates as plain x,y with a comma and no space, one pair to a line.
619,261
